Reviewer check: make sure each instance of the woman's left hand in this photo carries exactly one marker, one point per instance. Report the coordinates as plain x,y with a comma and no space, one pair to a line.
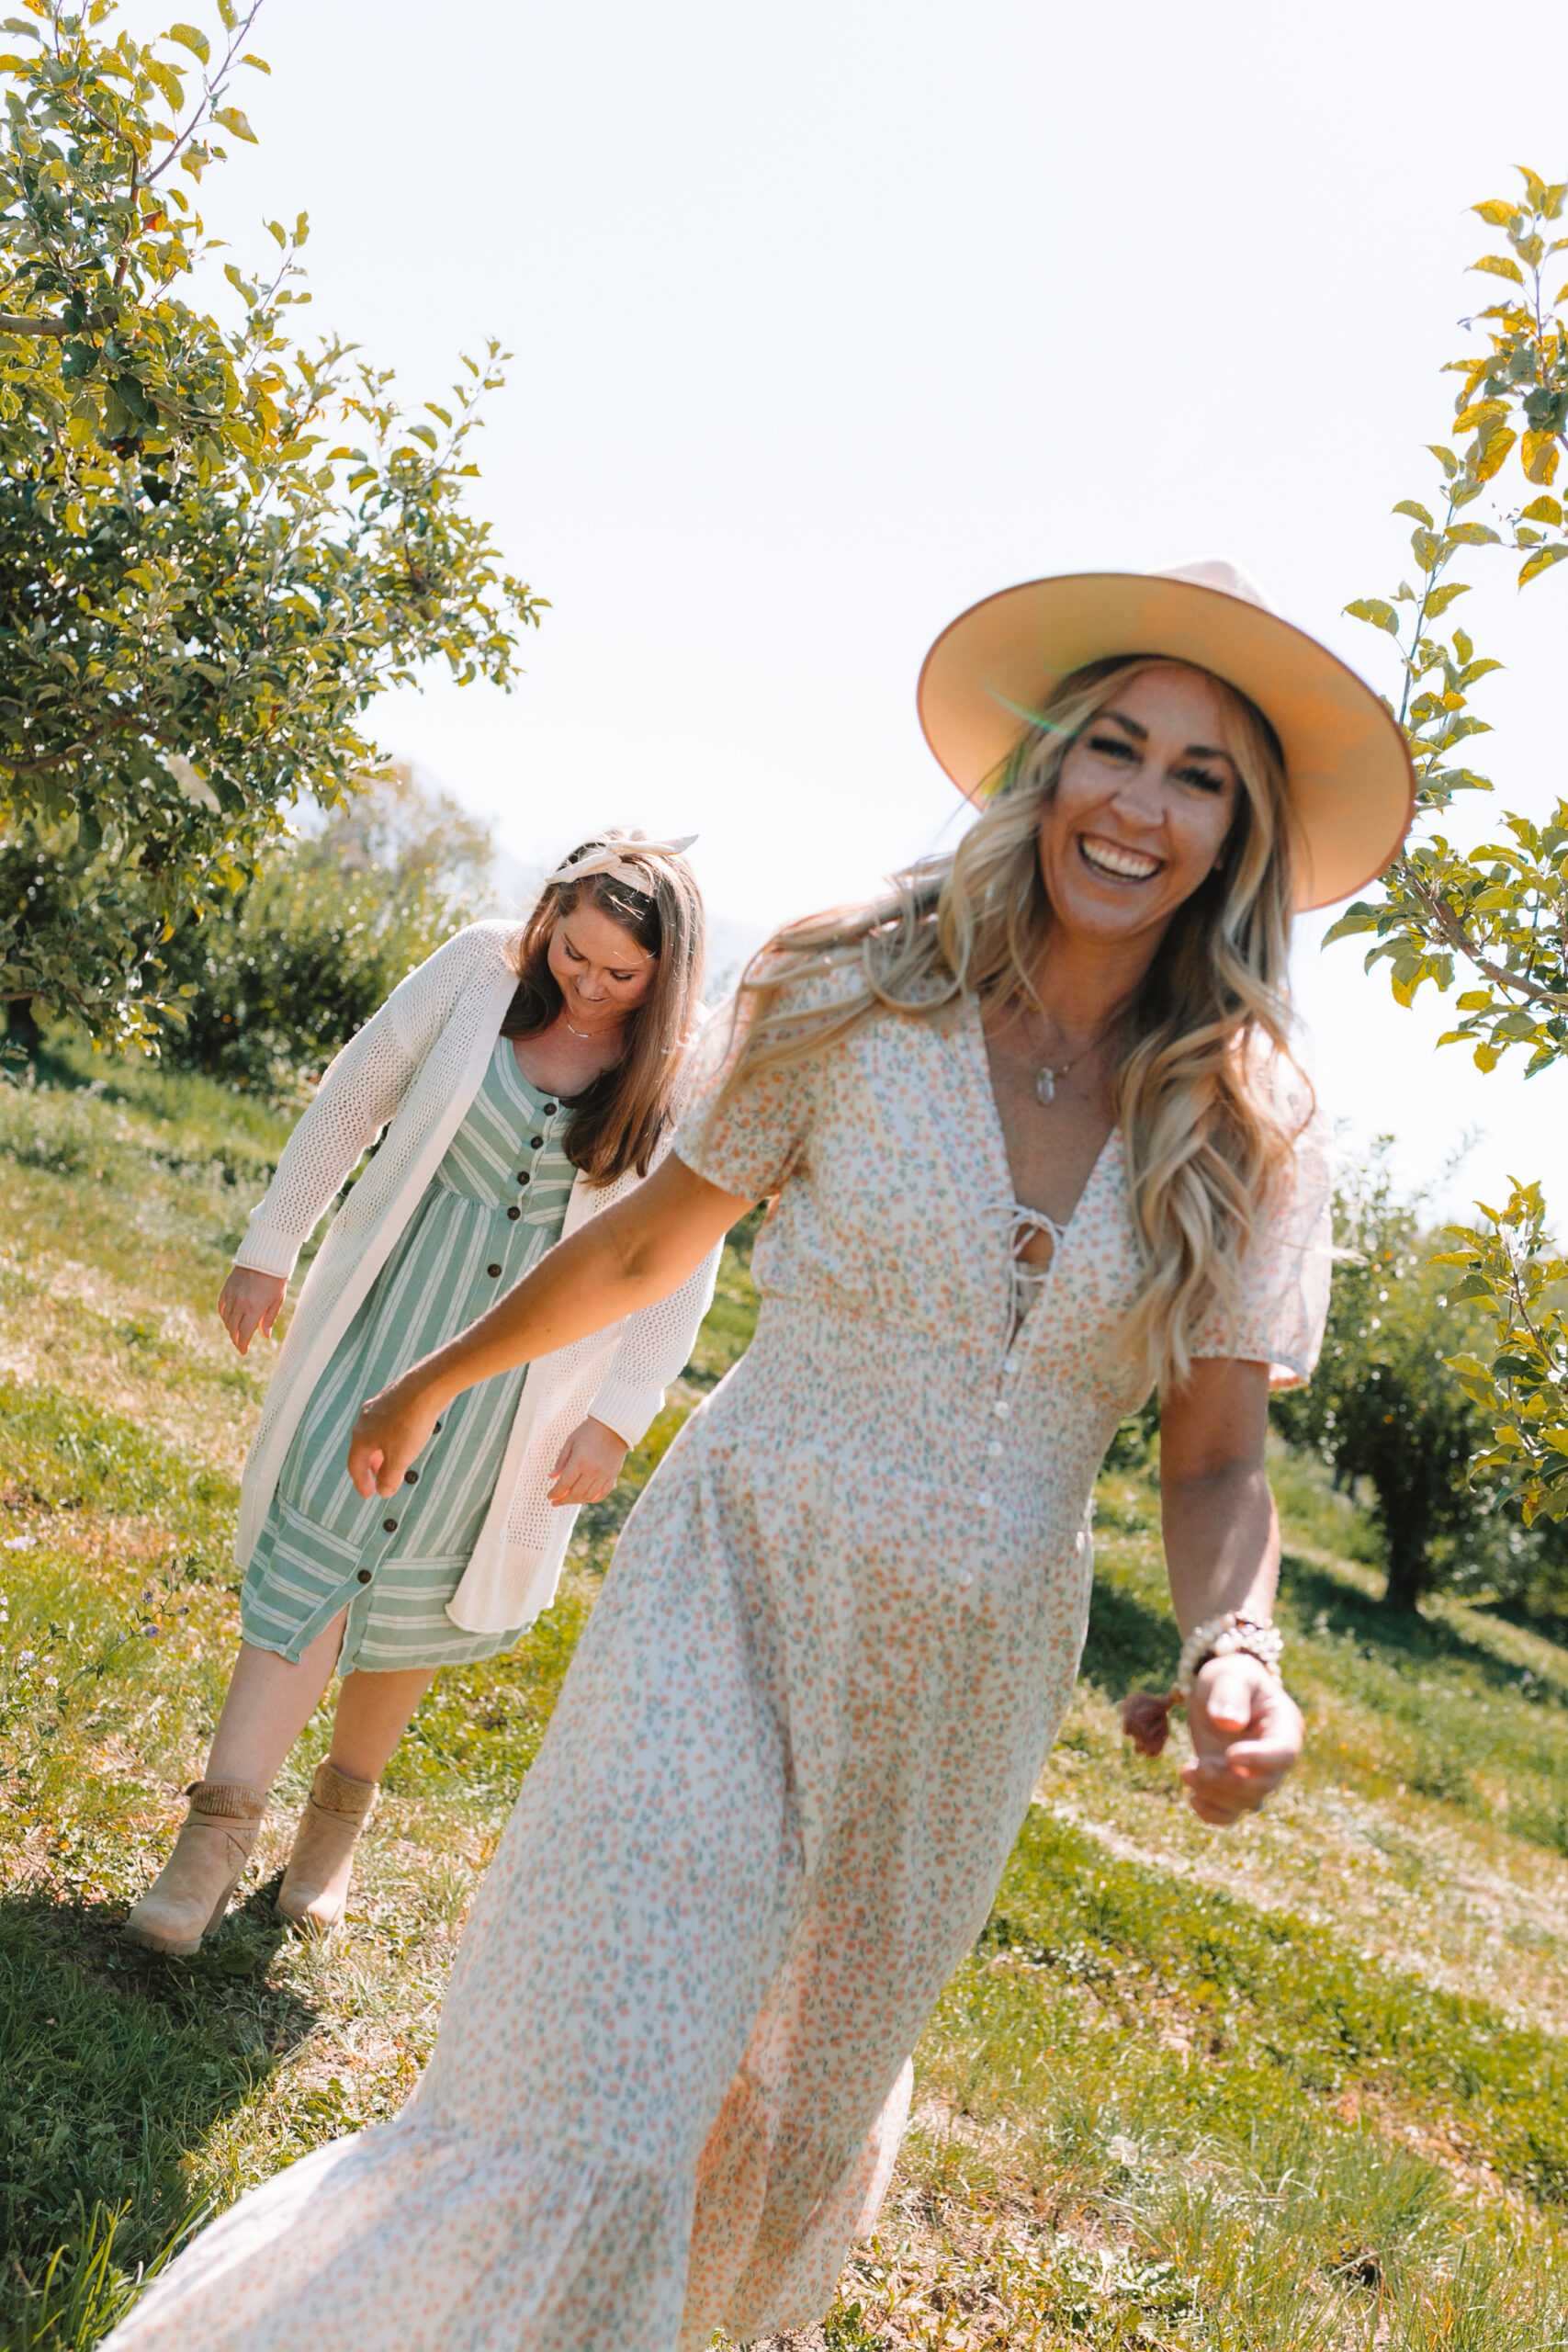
587,1465
1246,1733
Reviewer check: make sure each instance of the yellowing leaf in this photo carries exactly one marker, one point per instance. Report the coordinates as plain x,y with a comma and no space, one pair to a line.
1497,211
1439,599
1542,560
1415,511
1373,609
166,83
1498,265
234,120
1541,510
190,37
1489,460
1483,411
1537,454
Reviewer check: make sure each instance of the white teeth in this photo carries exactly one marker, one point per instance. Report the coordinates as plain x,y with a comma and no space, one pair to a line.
1112,859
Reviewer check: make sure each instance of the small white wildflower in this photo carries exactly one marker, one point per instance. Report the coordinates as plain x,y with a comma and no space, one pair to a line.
51,1682
26,1658
19,1543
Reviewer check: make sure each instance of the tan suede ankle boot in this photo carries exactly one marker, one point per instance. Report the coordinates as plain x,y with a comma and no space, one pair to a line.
190,1893
314,1893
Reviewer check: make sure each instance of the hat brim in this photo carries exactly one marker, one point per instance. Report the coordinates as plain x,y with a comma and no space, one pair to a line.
1347,765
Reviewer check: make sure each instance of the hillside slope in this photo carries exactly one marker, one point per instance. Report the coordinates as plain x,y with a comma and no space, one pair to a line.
1301,2087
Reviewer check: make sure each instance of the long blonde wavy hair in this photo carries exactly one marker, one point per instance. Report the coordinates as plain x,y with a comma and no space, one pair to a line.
1207,1133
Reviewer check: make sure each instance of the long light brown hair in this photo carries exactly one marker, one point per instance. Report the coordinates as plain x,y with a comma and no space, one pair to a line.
618,1120
1206,1132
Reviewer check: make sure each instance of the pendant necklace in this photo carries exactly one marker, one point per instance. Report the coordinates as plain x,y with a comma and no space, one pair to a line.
589,1036
1047,1074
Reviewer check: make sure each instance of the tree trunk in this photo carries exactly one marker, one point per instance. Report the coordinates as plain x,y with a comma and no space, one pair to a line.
21,1029
1406,1572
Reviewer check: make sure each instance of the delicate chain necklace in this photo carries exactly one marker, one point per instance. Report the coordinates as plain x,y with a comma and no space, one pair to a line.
591,1036
1047,1074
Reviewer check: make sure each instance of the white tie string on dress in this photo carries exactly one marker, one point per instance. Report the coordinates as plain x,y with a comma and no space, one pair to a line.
1028,1277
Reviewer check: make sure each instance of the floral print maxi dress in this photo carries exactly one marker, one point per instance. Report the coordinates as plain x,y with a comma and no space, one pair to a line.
783,1776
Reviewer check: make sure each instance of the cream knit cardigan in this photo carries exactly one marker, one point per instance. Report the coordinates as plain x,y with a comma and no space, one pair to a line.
413,1069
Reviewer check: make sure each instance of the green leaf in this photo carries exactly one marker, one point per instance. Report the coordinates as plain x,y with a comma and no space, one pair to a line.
190,37
1415,511
235,121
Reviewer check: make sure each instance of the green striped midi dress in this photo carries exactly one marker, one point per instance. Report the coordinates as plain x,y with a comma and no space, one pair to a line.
495,1205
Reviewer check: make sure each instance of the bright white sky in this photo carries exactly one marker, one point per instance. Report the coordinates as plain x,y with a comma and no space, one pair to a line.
829,320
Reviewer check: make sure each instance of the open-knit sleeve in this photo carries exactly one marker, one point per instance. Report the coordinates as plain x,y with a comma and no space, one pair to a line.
1281,1303
749,1145
359,1094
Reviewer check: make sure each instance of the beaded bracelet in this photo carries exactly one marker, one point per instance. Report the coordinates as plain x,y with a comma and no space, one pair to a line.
1145,1719
1222,1637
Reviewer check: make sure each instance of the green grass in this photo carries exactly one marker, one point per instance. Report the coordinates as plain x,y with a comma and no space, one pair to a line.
1301,2088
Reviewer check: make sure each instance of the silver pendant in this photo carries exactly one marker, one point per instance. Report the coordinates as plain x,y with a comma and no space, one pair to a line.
1046,1084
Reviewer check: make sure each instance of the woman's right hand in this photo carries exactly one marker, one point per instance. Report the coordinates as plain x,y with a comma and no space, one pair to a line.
249,1303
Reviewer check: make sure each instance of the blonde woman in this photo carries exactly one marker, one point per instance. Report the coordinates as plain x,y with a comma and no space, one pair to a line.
523,1085
1033,1143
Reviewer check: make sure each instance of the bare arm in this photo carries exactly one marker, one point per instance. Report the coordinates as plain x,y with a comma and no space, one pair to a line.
631,1255
1222,1549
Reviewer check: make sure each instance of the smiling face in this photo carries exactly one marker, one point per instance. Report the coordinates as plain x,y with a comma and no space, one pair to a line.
600,971
1143,806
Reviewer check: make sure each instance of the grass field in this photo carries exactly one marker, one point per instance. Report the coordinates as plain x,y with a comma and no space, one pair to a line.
1305,2087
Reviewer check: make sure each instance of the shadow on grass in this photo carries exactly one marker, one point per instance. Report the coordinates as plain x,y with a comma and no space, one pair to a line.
1132,1643
114,2065
1397,1640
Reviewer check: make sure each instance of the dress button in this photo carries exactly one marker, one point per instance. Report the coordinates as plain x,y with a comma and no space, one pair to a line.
984,1500
964,1579
995,1447
549,1110
514,1213
492,1272
524,1177
1001,1409
535,1143
411,1478
435,1430
364,1576
390,1526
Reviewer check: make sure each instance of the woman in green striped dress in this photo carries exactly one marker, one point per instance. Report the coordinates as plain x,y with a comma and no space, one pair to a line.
522,1085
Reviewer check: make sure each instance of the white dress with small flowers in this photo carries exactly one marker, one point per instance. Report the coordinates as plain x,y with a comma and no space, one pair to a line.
785,1771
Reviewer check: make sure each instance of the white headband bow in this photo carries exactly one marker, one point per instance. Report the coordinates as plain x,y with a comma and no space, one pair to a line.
612,860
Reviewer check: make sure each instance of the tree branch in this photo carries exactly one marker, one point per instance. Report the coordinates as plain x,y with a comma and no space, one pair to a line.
1454,932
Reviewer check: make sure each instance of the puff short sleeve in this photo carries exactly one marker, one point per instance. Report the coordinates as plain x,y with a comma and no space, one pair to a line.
1282,1299
752,1145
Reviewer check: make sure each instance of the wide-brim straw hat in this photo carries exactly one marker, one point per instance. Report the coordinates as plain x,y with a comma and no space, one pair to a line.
1346,766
